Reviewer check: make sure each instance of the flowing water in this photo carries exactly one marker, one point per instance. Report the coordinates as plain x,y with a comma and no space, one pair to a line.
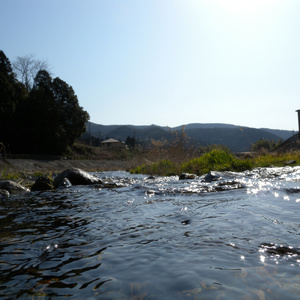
155,238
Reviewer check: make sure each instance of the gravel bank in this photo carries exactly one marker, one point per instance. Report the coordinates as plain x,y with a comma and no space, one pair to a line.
30,166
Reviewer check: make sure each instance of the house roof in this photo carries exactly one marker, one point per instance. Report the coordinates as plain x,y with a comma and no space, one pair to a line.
111,141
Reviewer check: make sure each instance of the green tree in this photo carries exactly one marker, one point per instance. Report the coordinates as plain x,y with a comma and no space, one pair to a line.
7,89
52,117
38,114
72,118
11,93
5,65
47,120
265,145
130,142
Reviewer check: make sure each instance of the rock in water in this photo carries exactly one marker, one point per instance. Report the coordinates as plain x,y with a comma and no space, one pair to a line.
65,183
42,184
187,176
290,162
211,176
12,187
76,177
4,194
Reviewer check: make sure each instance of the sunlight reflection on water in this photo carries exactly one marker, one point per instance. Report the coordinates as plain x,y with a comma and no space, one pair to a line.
159,238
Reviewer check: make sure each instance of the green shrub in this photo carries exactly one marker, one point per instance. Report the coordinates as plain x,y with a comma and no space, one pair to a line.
242,165
5,174
266,145
217,160
276,160
163,167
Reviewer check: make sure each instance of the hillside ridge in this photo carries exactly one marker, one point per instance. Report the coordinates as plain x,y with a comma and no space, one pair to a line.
235,137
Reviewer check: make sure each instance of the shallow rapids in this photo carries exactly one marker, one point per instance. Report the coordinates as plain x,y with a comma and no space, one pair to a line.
236,237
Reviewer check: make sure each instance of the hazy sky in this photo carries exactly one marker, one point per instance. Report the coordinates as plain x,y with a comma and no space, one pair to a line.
167,62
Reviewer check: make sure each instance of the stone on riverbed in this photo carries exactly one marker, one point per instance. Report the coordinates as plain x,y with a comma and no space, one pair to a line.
76,177
187,176
212,176
290,162
4,194
12,187
42,184
65,183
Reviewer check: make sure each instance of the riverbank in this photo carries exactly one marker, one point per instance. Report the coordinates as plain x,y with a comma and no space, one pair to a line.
215,160
44,166
218,160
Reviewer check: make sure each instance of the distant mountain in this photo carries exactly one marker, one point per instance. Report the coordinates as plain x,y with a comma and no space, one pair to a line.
204,125
284,134
123,131
237,138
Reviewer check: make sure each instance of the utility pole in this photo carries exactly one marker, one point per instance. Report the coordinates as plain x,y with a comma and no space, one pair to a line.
298,111
90,133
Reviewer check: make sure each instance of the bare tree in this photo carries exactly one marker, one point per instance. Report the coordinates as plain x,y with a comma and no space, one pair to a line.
26,67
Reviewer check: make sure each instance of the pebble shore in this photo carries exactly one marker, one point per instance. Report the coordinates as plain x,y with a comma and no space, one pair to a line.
31,166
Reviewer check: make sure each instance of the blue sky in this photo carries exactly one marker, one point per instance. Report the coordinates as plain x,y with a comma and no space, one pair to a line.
167,62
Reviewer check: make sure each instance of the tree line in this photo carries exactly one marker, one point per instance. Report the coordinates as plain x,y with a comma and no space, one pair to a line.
38,114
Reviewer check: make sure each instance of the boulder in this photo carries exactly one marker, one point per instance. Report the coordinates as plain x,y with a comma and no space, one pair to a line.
42,184
12,187
4,194
75,177
65,183
187,176
212,176
290,162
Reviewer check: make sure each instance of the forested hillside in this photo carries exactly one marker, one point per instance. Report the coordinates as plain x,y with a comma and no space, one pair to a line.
237,138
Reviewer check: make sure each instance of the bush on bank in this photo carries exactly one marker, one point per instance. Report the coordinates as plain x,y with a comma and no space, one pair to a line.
164,167
215,160
276,159
218,160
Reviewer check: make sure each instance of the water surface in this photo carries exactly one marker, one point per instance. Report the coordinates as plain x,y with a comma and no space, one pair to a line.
155,238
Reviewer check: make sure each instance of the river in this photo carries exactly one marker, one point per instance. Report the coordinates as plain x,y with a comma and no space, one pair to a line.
236,237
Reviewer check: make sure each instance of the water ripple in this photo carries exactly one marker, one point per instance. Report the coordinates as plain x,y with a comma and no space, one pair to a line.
158,237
